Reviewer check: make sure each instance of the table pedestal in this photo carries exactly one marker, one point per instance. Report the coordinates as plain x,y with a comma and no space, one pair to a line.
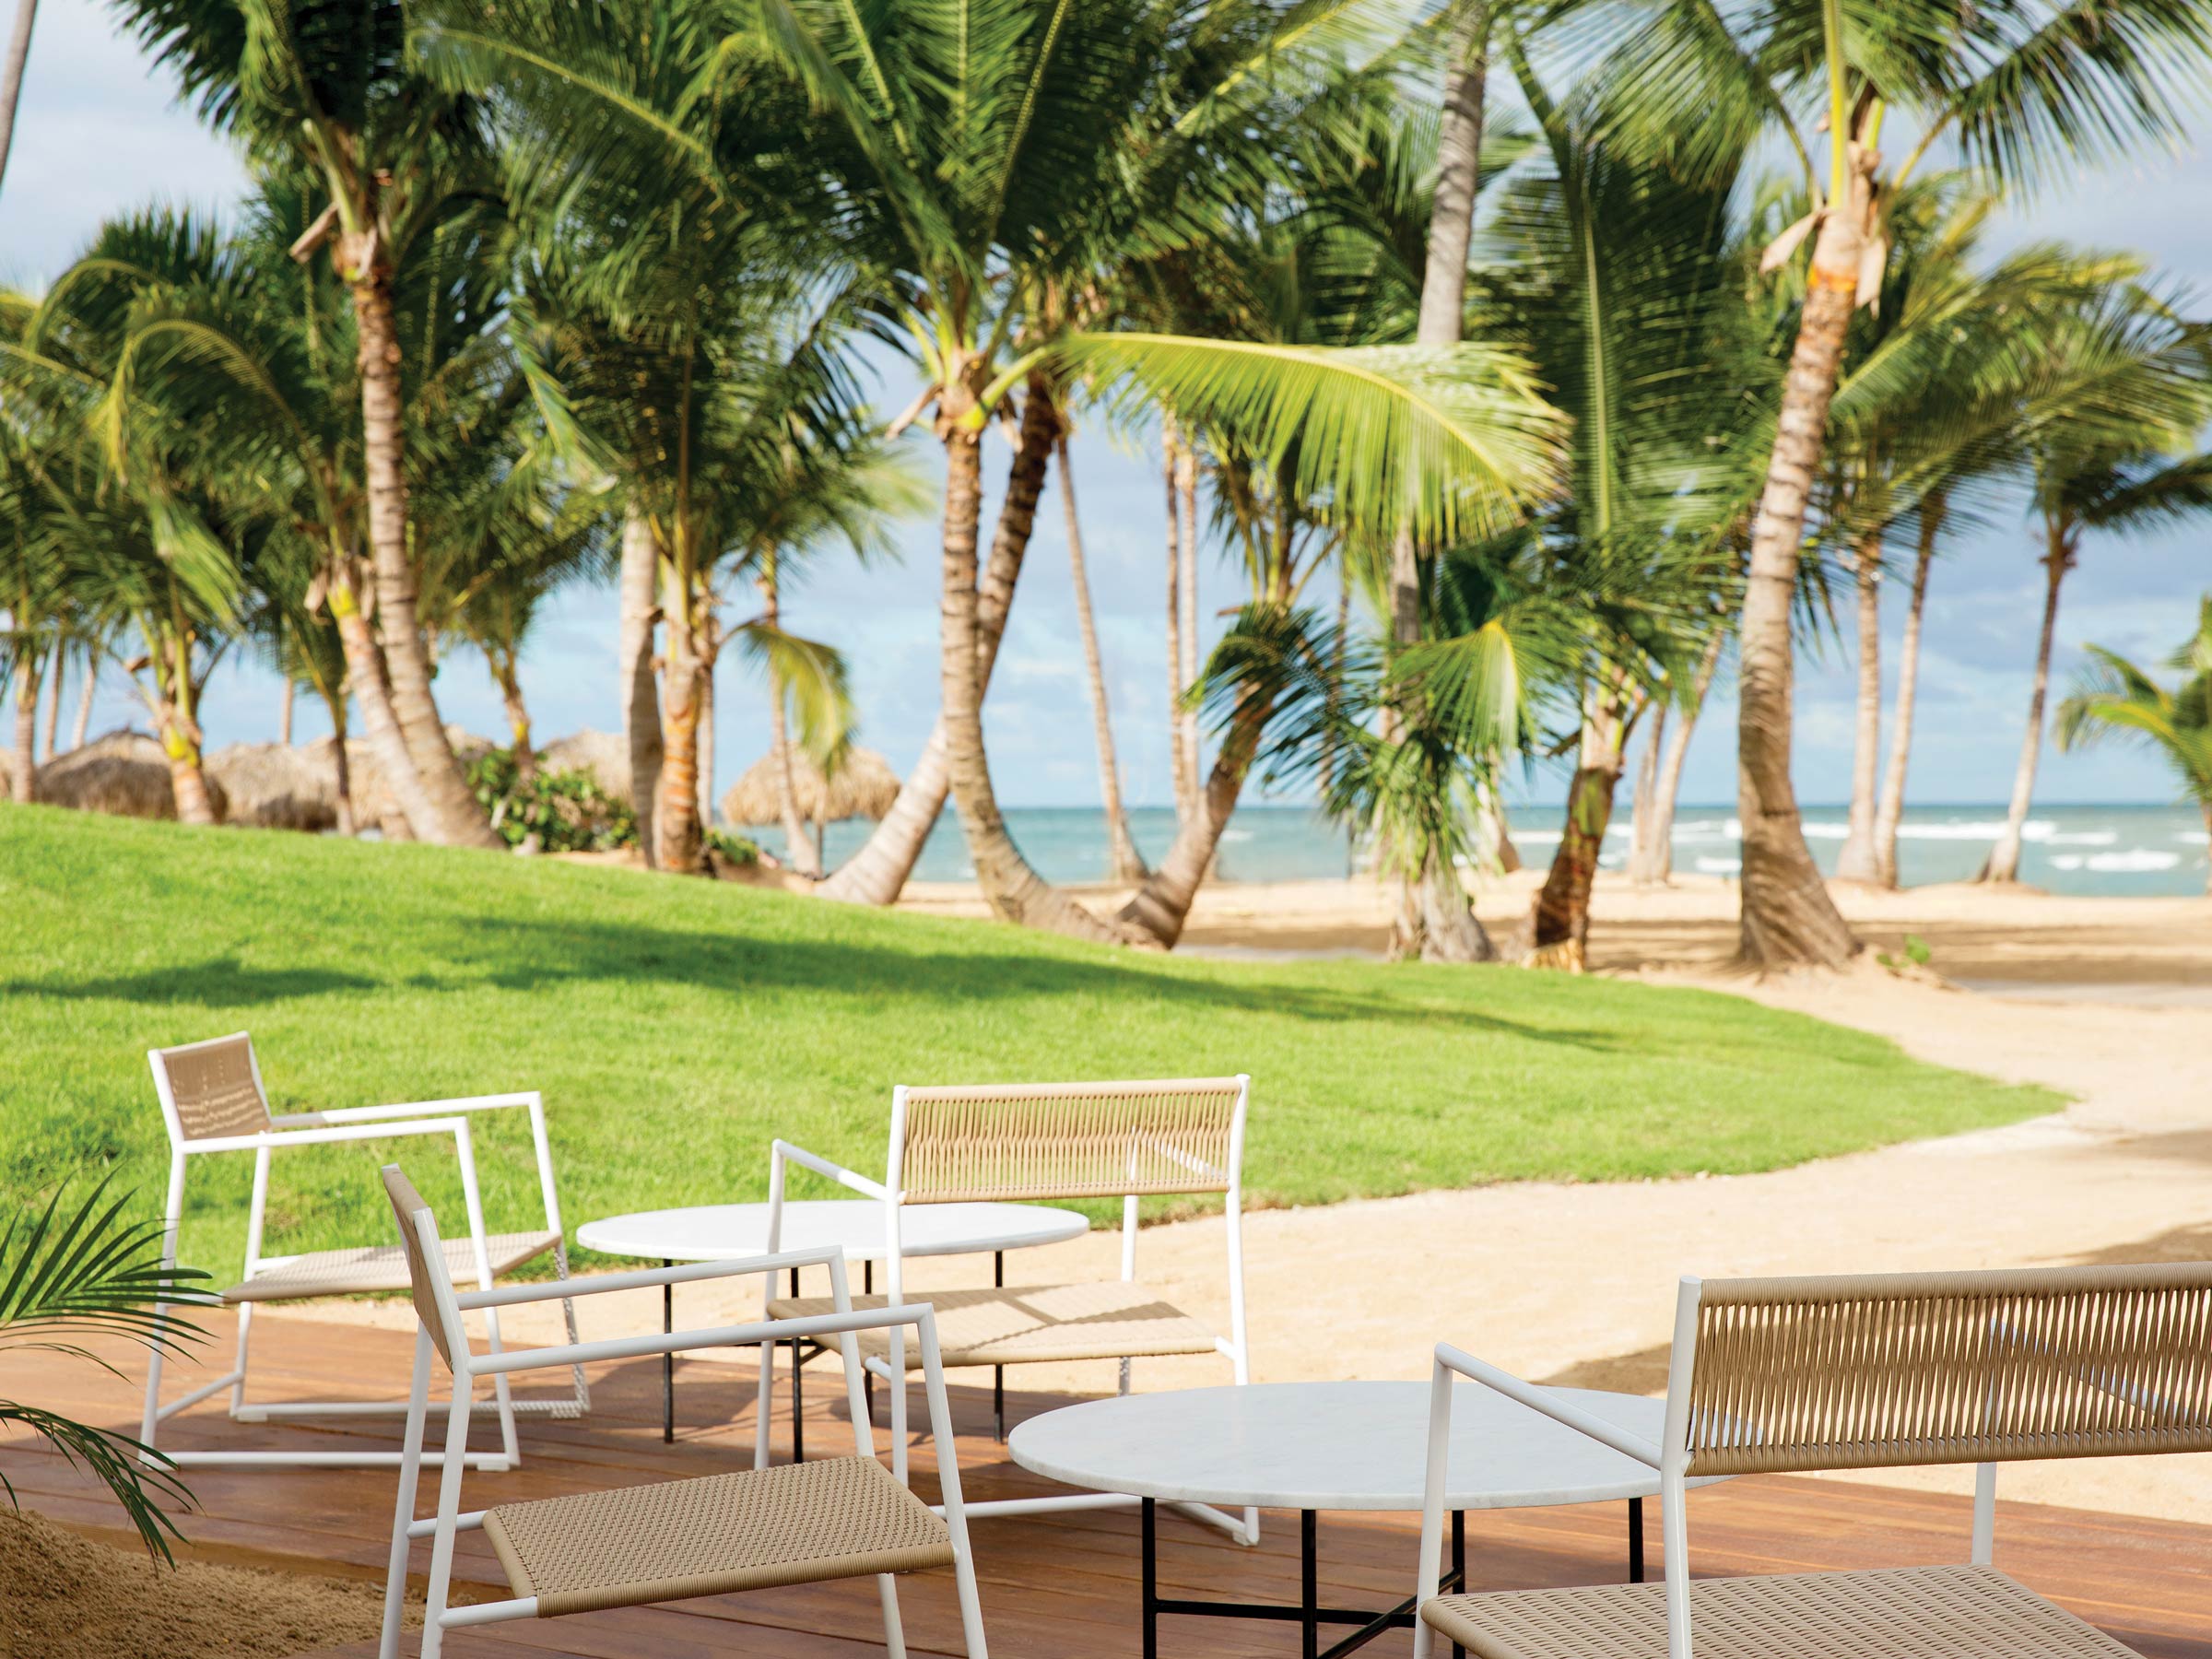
1308,1612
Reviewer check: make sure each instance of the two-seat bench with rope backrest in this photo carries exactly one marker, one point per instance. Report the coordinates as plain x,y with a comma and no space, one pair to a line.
710,1535
1053,1142
1783,1375
213,1103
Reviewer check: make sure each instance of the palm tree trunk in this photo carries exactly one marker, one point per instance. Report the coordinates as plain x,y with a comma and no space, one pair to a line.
2206,810
1160,908
27,726
82,726
1186,576
1559,924
2004,864
343,803
1891,808
1014,890
711,655
1124,862
283,712
1644,807
799,852
11,76
1788,918
1855,861
1178,768
504,670
365,672
180,732
876,874
639,694
676,818
456,819
1669,789
54,701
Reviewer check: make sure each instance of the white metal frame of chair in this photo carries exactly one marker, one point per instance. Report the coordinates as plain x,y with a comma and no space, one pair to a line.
1243,1530
467,1368
1672,1457
324,1128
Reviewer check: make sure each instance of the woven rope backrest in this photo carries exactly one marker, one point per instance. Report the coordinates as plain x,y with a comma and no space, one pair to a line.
406,1203
214,1087
1067,1140
1880,1371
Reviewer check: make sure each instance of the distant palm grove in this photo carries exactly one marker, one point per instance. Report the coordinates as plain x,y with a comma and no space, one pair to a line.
1671,368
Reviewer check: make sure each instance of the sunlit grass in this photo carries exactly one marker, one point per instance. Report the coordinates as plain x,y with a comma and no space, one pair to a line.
675,1025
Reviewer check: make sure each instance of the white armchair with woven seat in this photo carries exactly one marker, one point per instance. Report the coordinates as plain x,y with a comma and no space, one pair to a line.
213,1103
670,1540
1045,1142
1861,1371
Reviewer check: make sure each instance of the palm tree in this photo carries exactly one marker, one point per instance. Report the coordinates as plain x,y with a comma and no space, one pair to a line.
300,642
33,590
2027,89
11,76
2083,487
329,93
2115,698
1124,862
65,1277
975,162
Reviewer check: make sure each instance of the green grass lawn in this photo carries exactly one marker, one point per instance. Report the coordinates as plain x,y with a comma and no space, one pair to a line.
673,1027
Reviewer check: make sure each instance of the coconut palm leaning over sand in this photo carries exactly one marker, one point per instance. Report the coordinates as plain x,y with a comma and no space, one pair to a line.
2113,698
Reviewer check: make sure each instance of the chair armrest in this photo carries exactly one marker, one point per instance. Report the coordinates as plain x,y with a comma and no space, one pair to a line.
378,1114
783,1150
677,1342
1547,1401
642,1278
326,1135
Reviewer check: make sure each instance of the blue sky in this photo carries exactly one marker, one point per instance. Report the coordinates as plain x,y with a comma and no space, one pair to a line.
99,132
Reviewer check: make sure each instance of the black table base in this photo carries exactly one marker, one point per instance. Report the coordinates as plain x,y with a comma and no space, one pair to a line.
1308,1612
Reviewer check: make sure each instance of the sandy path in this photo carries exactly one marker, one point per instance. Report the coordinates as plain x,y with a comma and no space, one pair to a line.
1575,1283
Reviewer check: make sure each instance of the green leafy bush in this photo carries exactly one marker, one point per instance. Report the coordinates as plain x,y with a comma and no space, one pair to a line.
564,811
737,849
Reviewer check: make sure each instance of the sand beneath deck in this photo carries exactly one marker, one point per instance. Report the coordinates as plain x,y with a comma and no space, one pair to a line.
2107,1000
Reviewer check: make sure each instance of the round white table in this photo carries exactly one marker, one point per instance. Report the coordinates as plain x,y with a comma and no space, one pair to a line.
719,1233
1313,1446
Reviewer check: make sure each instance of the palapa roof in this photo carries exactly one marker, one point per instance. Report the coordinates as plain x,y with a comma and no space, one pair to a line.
864,786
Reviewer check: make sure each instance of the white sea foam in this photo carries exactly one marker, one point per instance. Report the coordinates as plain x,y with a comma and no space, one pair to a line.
1236,835
2135,860
1536,838
2083,838
2195,838
1718,866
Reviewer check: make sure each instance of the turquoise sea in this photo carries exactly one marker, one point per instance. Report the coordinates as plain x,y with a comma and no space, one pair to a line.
2121,850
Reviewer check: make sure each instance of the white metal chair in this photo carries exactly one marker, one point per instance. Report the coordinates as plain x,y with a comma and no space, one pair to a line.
1862,1371
213,1101
1045,1141
799,1523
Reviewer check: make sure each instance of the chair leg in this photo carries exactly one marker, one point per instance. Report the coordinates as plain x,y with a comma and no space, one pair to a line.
245,1327
148,1424
894,1633
403,1516
449,1509
502,1394
567,1313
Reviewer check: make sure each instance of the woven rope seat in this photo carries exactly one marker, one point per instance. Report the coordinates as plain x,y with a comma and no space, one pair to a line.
1906,1613
382,1267
1022,1324
796,1523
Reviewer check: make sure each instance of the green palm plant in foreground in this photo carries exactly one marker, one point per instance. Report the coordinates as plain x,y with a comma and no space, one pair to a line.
68,1277
2113,698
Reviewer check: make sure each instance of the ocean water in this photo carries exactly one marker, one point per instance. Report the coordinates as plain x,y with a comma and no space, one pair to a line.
2122,850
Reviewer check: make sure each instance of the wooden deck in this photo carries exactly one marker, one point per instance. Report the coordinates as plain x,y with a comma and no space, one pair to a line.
1063,1586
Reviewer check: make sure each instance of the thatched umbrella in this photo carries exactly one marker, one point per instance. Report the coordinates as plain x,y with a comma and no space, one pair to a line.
601,756
864,786
124,773
277,786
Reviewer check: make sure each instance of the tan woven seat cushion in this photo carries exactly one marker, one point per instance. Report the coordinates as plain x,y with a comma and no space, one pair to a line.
794,1524
1909,1613
1025,1323
382,1267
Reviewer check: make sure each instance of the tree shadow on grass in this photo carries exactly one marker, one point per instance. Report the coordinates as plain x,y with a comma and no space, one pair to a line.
550,953
218,983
